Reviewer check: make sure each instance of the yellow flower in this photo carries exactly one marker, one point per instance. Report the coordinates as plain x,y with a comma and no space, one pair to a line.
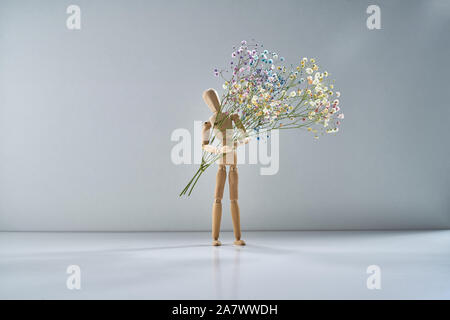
309,129
312,60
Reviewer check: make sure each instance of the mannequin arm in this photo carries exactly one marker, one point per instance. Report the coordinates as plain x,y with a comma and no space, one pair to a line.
243,139
205,132
205,141
238,123
205,138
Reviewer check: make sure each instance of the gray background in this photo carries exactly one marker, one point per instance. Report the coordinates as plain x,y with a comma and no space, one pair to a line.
86,116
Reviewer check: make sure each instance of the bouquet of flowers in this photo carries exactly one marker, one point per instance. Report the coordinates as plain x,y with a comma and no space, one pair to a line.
267,94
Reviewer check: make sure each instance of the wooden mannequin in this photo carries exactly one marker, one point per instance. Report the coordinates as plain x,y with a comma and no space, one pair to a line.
222,125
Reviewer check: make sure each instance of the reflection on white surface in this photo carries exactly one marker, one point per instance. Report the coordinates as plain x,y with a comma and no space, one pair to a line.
232,283
274,265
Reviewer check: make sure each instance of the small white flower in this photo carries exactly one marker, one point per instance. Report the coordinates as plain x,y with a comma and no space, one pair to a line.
309,70
332,130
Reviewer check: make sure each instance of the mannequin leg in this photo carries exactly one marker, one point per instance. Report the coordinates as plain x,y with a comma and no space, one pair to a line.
235,215
217,205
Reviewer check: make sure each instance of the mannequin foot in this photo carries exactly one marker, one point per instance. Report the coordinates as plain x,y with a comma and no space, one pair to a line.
239,243
216,243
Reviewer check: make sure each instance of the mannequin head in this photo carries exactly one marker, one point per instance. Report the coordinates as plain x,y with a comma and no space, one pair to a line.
211,98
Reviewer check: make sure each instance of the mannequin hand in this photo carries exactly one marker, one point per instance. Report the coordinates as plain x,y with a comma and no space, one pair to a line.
210,149
243,141
226,149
